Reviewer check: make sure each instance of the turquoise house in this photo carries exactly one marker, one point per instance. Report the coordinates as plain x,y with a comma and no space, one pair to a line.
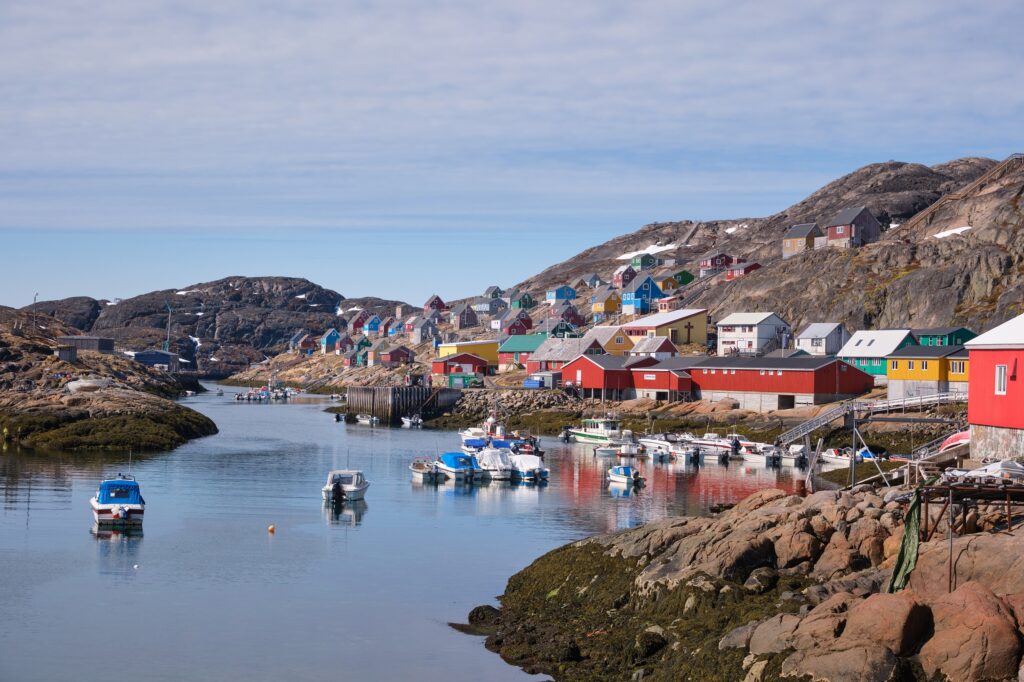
868,349
943,336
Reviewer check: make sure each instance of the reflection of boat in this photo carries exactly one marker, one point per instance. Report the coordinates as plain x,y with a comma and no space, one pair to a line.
115,534
617,489
368,419
459,467
625,475
412,422
345,484
496,464
529,468
596,431
346,514
425,471
118,502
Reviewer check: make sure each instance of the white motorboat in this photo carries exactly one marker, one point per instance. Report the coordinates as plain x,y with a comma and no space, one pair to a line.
838,456
413,422
473,433
631,449
367,419
496,464
220,392
344,485
529,468
625,475
606,450
118,502
460,467
597,431
425,470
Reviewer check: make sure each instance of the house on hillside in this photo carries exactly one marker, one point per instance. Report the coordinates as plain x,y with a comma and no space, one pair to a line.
943,336
623,275
507,320
915,371
328,341
568,312
714,262
737,270
689,325
386,326
562,293
374,352
463,317
423,330
766,384
996,391
398,355
657,347
293,342
493,292
752,334
852,227
822,338
643,261
489,306
556,328
667,380
350,358
372,325
612,340
344,344
868,349
666,281
522,301
554,353
158,359
640,296
605,377
605,303
357,320
460,363
307,344
434,303
800,238
591,280
515,351
483,348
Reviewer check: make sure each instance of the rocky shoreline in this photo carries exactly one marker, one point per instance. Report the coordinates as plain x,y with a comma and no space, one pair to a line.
779,587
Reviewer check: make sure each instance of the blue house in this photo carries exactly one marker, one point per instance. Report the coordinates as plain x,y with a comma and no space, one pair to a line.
329,341
372,325
638,296
562,293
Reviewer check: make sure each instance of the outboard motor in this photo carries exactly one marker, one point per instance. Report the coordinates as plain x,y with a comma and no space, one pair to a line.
566,435
337,493
694,456
337,417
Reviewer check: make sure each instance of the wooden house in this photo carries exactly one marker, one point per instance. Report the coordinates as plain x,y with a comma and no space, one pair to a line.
568,312
822,338
422,331
463,317
591,280
328,341
489,306
868,349
605,303
657,347
522,301
372,325
410,323
916,371
689,325
398,355
483,348
562,293
350,358
460,363
388,327
555,328
852,227
556,352
622,276
515,350
752,334
307,344
996,388
943,336
605,377
640,295
434,303
669,303
344,344
493,292
714,262
506,319
612,340
357,320
362,342
800,238
737,270
293,342
667,380
643,261
374,352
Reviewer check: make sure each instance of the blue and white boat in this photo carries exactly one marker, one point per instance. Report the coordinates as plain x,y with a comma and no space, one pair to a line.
625,474
472,446
528,468
496,464
460,467
118,502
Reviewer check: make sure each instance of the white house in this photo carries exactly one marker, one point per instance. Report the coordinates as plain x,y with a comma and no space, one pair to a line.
752,333
868,349
657,347
822,338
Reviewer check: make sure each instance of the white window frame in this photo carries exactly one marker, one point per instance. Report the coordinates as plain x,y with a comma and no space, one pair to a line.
839,229
1000,384
910,364
924,365
894,364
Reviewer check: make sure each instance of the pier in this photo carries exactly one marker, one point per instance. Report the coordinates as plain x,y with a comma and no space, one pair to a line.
390,404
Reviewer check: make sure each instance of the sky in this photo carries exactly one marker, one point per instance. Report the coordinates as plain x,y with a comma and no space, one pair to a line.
403,148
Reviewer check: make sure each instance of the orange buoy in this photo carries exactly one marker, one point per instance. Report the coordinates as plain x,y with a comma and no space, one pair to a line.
271,529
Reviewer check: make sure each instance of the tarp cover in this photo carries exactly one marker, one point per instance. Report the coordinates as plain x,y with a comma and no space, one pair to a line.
120,492
475,442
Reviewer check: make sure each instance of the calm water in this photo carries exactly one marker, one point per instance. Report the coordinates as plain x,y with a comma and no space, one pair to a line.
208,594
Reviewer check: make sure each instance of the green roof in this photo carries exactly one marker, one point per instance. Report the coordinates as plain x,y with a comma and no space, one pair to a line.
522,343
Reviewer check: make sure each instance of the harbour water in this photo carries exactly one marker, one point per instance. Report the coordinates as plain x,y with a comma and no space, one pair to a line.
206,593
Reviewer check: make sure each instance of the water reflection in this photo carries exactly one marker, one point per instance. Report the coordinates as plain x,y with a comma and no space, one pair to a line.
345,513
117,550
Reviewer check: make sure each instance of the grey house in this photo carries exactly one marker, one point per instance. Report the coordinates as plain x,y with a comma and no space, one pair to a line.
852,227
822,338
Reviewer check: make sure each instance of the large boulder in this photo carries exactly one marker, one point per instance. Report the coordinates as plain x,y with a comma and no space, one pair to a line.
838,558
824,622
868,537
895,621
996,561
842,660
975,637
796,544
774,634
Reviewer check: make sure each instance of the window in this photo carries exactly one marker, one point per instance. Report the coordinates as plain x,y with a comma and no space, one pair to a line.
619,340
779,373
924,365
712,371
732,371
910,364
817,342
956,367
894,364
840,228
1000,379
704,371
762,372
877,362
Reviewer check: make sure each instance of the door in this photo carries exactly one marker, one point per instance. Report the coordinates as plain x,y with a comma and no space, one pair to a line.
787,402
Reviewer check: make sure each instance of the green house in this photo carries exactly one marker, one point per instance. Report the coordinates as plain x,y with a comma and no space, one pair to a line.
363,342
943,336
523,301
868,349
683,277
643,261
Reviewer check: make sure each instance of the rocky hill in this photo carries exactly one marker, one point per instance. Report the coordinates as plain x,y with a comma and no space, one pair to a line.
218,327
125,405
909,278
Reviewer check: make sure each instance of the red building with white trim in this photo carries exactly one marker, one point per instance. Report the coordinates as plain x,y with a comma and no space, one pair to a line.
603,376
459,363
995,392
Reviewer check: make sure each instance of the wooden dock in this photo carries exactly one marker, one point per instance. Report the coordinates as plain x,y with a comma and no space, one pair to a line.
390,404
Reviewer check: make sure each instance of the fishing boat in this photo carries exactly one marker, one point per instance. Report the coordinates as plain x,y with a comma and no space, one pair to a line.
473,446
425,470
367,419
839,456
625,474
529,468
473,433
459,467
722,444
413,422
345,485
631,449
496,464
118,502
526,443
596,431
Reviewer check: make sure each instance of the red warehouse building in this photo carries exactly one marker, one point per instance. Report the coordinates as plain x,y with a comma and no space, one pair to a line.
667,380
604,376
764,384
995,392
460,363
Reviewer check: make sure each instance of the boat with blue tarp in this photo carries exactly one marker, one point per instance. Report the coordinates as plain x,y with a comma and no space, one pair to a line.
625,474
118,502
460,467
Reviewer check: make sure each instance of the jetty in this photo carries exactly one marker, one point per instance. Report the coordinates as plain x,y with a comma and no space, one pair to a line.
390,404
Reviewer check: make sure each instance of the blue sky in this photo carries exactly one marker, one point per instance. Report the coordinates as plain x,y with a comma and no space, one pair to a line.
362,145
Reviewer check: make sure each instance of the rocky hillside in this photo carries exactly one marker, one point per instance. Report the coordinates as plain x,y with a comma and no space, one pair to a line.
977,271
219,327
127,406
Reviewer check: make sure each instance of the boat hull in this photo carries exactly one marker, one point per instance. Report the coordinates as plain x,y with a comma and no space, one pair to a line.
117,515
586,437
351,493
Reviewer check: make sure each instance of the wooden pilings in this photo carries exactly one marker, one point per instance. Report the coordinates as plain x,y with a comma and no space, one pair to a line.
390,404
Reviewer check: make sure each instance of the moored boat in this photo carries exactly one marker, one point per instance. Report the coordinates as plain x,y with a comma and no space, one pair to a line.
459,467
425,470
838,456
625,474
496,464
118,502
473,446
529,468
413,422
345,485
367,419
596,431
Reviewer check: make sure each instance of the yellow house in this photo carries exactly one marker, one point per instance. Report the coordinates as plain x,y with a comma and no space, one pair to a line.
613,340
486,349
689,325
915,371
666,282
606,303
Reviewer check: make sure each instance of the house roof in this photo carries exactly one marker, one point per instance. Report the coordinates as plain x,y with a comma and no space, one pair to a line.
786,353
602,334
818,330
653,344
432,299
925,351
460,308
608,361
560,350
662,319
803,363
801,230
743,265
623,268
846,216
712,254
493,289
679,362
522,343
1009,334
937,331
603,295
462,357
873,343
425,322
637,283
745,318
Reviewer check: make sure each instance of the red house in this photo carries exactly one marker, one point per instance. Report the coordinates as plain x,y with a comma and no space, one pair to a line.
608,377
764,384
397,356
737,270
995,390
459,363
713,262
623,276
434,303
668,380
356,322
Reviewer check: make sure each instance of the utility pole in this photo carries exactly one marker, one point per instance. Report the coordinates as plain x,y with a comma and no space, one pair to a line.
35,298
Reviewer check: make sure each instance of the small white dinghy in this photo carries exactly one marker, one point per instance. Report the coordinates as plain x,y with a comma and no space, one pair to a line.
425,470
367,419
529,468
118,503
625,475
496,464
344,485
413,422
